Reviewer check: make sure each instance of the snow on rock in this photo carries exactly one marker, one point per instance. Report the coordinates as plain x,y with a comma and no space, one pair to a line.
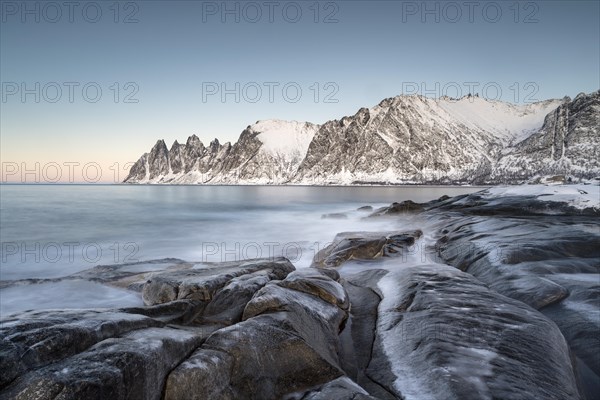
577,196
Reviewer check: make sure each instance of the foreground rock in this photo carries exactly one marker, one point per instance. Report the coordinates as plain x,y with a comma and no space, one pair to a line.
358,336
132,366
288,342
202,283
447,336
35,339
552,264
252,329
364,246
525,200
129,353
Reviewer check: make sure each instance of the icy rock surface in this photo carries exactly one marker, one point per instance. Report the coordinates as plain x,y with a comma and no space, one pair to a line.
542,251
448,336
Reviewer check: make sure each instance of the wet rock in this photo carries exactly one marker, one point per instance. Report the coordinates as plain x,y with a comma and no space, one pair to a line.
518,205
365,208
359,333
133,366
340,389
34,339
334,216
202,283
287,342
227,305
320,283
448,336
578,317
257,359
407,206
316,321
552,264
204,375
517,257
126,274
364,246
128,353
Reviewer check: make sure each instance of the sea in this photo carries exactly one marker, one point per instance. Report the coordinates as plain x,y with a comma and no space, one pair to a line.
48,232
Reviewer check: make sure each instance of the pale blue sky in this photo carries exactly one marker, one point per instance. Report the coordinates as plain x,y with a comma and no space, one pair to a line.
175,49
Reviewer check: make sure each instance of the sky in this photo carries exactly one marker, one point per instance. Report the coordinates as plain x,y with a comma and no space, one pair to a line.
89,86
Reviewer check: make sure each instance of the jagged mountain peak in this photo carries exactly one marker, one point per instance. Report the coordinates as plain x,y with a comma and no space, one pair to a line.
193,140
160,143
402,139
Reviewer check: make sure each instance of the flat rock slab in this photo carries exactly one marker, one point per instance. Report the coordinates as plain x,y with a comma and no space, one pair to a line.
447,336
364,246
37,338
133,366
551,264
483,203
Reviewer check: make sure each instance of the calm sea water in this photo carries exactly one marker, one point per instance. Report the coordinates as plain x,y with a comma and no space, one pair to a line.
51,231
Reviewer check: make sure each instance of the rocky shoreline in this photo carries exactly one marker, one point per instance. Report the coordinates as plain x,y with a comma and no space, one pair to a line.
507,306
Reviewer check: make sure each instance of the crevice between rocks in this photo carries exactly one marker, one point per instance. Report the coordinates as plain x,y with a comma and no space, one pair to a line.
359,370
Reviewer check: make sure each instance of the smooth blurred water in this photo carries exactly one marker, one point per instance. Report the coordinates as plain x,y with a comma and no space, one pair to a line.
56,230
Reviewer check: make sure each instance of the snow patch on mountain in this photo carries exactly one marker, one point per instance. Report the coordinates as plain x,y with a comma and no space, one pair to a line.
509,122
288,138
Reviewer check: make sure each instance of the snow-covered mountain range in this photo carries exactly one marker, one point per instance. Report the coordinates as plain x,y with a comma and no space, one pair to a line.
404,139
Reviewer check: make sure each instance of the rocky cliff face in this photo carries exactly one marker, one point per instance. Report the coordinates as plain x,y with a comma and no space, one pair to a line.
567,143
405,139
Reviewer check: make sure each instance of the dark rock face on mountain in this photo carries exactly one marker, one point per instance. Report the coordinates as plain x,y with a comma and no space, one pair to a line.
410,137
568,141
139,170
158,160
405,139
